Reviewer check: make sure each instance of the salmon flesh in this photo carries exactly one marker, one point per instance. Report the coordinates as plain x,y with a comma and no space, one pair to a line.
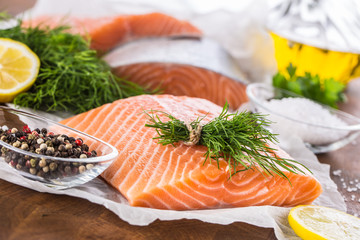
175,177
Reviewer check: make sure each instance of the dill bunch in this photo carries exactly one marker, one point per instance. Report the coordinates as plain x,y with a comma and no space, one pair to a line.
240,138
71,76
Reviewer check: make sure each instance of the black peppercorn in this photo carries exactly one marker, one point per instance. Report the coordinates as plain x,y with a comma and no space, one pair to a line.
55,142
61,147
67,169
70,151
7,159
43,151
85,147
50,151
41,173
13,156
18,134
64,154
93,153
45,143
21,161
49,143
44,131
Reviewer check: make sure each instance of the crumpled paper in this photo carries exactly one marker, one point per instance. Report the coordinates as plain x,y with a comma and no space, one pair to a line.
237,43
99,192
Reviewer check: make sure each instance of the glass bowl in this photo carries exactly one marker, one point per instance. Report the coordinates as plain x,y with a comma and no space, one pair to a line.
321,127
55,166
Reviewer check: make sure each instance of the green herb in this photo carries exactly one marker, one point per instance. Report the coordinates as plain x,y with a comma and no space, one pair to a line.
326,91
71,76
4,16
239,138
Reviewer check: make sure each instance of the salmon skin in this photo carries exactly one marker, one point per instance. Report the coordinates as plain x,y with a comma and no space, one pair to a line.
175,177
190,67
107,32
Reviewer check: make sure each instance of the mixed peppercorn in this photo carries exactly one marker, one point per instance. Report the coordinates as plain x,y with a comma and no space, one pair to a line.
45,143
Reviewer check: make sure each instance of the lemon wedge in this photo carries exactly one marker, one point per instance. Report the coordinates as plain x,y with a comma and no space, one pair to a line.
19,67
317,222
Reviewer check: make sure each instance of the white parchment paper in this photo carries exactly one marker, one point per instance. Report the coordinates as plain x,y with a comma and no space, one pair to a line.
99,192
238,30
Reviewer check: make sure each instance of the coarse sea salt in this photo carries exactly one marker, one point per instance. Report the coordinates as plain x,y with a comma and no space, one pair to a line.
337,173
303,109
350,186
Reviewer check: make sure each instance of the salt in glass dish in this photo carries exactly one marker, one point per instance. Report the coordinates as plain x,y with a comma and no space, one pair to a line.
106,153
260,94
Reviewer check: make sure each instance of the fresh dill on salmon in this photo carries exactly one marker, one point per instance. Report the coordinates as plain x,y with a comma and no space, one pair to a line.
240,138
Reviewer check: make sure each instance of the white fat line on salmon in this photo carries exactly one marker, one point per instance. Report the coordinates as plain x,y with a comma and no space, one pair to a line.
142,148
98,116
128,118
173,178
190,190
159,179
180,111
118,141
127,149
116,121
88,118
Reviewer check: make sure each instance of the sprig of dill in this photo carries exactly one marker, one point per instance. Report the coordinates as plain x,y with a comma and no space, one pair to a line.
241,138
71,76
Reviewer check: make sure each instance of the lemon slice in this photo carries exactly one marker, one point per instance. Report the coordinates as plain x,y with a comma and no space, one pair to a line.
317,222
19,67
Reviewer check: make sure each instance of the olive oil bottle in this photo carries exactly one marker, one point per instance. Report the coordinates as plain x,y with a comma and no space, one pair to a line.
342,66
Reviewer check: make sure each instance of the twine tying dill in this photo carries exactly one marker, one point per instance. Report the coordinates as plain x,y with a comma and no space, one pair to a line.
194,134
241,139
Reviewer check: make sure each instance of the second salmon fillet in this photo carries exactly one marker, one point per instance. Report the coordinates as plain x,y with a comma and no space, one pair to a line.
175,177
107,32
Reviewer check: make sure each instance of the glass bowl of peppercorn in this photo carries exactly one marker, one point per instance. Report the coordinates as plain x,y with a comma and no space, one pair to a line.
56,155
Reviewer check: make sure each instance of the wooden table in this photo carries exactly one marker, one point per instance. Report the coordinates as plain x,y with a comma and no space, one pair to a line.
27,214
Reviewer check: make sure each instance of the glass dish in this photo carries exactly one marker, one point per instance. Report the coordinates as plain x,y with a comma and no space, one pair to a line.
58,172
320,138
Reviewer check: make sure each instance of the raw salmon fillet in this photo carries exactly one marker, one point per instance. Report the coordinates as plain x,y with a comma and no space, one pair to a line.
151,175
186,80
182,67
108,32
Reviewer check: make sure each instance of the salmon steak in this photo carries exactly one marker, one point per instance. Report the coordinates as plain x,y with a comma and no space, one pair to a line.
107,32
186,80
175,176
204,70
